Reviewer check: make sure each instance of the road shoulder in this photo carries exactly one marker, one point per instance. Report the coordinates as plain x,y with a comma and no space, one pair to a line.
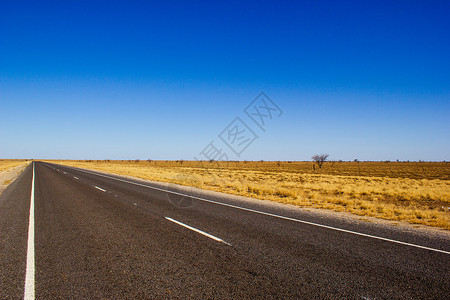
10,175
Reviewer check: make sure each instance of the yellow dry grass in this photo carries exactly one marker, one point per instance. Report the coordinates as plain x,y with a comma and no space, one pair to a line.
417,193
6,164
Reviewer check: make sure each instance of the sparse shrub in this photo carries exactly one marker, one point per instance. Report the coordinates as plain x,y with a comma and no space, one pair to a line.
320,159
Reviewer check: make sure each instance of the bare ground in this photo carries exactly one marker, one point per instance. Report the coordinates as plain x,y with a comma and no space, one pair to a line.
8,176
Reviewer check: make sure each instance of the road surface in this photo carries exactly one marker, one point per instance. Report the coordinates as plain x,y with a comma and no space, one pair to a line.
72,233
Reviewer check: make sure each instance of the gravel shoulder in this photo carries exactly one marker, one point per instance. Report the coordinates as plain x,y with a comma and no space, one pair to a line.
8,176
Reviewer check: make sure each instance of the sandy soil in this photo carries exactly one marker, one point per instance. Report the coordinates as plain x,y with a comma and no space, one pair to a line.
8,176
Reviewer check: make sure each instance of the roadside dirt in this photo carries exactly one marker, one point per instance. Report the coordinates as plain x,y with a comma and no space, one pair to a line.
8,176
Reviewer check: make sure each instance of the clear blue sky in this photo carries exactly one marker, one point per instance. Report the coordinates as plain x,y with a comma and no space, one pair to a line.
161,80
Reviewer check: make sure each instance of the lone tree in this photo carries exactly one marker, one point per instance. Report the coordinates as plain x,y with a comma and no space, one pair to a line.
320,159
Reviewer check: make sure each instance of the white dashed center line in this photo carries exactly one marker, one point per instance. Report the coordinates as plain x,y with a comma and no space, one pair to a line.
198,231
99,188
76,177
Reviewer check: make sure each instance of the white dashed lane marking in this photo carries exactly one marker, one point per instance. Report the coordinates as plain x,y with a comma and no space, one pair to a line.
98,188
198,231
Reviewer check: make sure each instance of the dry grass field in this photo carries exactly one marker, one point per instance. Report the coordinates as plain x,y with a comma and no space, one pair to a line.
414,192
6,164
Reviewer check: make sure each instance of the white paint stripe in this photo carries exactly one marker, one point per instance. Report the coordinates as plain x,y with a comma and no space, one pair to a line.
76,178
64,172
135,204
99,188
29,276
273,215
198,231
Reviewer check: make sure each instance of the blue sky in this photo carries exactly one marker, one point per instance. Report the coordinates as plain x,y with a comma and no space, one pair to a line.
161,80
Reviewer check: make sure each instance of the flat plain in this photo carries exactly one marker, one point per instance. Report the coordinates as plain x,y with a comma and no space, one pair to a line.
103,236
413,192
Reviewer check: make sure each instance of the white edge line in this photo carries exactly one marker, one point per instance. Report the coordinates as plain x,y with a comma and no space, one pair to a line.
198,231
29,292
99,188
273,215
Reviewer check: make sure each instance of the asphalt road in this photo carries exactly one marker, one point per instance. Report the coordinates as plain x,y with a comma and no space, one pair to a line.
100,236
